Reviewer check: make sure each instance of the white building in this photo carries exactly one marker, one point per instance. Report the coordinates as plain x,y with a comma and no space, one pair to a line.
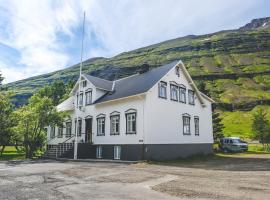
157,114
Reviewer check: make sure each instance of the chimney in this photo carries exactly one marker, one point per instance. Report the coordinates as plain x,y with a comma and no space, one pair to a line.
144,68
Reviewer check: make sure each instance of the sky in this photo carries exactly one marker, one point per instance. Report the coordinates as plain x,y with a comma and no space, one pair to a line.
43,36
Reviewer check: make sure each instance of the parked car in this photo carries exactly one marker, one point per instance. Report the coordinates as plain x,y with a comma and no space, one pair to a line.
233,144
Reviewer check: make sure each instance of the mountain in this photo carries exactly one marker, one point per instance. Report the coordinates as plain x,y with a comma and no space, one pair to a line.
233,67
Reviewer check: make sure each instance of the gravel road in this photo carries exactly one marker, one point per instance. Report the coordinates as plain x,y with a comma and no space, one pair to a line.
217,178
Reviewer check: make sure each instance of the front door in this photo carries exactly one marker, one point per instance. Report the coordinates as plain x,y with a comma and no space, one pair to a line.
88,130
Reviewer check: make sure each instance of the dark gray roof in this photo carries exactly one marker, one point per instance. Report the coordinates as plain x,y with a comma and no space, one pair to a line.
136,84
100,83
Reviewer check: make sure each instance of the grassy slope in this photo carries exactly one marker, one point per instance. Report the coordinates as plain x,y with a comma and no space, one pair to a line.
224,52
240,122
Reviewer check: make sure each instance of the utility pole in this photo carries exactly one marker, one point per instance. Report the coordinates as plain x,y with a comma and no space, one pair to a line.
78,96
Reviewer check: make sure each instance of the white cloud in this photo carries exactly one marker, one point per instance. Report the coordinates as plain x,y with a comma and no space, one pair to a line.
11,73
36,28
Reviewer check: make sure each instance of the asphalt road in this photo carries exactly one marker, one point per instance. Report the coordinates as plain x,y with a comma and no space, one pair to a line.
224,178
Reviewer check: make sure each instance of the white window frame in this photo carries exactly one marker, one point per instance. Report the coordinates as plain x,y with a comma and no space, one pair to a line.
99,152
60,132
114,123
68,129
84,83
117,152
186,125
174,92
191,97
79,129
88,97
131,123
81,99
52,132
162,90
197,125
101,126
182,94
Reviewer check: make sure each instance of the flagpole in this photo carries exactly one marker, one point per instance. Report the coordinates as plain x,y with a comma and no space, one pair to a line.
78,107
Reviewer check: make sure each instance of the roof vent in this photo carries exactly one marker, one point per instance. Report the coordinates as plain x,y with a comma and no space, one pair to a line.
144,68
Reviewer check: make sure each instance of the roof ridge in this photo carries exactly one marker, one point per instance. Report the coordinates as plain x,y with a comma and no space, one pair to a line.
98,77
127,77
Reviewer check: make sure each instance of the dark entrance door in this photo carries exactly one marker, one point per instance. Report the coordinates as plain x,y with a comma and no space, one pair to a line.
88,130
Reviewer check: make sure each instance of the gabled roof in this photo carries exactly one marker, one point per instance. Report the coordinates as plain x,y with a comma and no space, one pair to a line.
136,84
140,83
99,83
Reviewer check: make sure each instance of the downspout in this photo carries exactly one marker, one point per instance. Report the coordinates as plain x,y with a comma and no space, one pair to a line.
143,144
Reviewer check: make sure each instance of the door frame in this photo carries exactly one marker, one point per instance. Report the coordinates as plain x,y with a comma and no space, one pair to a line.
88,130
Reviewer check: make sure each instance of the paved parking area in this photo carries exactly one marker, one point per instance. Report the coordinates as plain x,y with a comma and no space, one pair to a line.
217,178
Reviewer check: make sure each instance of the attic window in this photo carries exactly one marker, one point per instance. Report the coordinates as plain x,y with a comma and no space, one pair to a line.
162,90
177,71
191,98
84,83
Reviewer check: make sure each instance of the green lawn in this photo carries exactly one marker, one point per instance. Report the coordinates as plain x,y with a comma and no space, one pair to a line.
11,153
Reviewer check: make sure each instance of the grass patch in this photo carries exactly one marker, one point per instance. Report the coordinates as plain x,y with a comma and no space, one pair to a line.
258,148
11,153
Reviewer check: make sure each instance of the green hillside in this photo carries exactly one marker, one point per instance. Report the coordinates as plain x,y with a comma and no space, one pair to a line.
233,67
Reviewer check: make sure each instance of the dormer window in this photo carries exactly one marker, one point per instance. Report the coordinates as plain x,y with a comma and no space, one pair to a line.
81,99
162,90
191,98
84,83
88,97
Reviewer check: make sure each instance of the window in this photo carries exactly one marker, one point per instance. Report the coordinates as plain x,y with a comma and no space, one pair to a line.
196,123
68,129
99,152
191,100
177,71
186,125
60,132
81,99
174,92
100,126
182,94
115,124
79,129
131,123
88,97
162,90
84,83
77,100
52,135
117,152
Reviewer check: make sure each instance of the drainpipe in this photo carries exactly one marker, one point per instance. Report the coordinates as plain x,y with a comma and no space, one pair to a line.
143,99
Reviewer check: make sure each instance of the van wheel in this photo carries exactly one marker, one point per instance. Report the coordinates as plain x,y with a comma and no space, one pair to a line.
225,151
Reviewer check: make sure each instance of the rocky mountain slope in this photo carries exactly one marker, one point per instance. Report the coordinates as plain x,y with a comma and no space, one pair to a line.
232,66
